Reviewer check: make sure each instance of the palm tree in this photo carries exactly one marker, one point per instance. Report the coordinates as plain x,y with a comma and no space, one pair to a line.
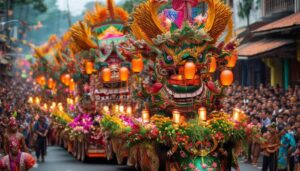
245,7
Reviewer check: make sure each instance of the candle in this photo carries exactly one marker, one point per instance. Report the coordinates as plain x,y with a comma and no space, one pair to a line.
30,100
176,116
202,114
105,108
129,110
121,108
37,100
236,114
45,106
145,116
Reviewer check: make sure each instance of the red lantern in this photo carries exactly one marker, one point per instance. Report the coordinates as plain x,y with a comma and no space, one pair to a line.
137,64
189,70
106,73
213,65
89,67
226,77
124,73
231,60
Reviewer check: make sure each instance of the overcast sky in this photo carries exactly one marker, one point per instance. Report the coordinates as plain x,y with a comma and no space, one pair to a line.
77,6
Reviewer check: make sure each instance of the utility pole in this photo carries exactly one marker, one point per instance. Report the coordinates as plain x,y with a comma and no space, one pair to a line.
69,14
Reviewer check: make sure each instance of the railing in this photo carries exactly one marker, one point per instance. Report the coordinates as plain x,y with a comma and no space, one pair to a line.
277,6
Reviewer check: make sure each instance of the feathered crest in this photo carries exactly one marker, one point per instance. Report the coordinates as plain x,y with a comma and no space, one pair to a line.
101,14
46,48
146,23
81,37
219,17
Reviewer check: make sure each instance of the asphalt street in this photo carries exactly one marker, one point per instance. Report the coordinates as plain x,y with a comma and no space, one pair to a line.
60,160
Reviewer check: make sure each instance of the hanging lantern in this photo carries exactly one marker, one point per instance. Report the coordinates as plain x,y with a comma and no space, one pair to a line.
145,116
202,114
72,85
89,67
66,79
62,78
231,60
236,114
50,83
137,64
226,77
190,70
176,116
213,64
41,80
124,73
106,74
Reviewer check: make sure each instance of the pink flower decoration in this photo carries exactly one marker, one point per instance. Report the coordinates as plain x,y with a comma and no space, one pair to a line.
204,166
214,165
192,166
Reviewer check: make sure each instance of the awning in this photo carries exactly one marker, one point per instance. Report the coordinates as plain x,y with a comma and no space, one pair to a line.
283,23
262,46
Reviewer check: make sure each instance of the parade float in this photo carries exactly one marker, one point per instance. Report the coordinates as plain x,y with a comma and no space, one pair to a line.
181,125
149,90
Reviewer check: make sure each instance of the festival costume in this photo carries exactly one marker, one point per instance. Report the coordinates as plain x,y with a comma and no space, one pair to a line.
21,162
10,137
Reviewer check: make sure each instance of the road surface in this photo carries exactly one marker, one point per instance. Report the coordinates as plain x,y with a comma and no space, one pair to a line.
60,160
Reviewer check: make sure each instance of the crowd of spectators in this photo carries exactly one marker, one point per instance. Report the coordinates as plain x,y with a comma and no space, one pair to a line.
270,107
14,93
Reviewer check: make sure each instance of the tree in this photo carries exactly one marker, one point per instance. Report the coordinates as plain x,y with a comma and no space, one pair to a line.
245,7
38,5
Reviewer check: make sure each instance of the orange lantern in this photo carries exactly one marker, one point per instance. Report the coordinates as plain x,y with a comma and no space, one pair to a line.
213,65
226,77
231,60
41,80
137,64
124,73
51,83
67,79
89,67
189,70
72,85
62,78
106,73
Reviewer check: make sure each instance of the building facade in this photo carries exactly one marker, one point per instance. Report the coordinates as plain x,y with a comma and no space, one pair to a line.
269,52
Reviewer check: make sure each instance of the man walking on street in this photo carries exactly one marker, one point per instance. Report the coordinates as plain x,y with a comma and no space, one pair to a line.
41,129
